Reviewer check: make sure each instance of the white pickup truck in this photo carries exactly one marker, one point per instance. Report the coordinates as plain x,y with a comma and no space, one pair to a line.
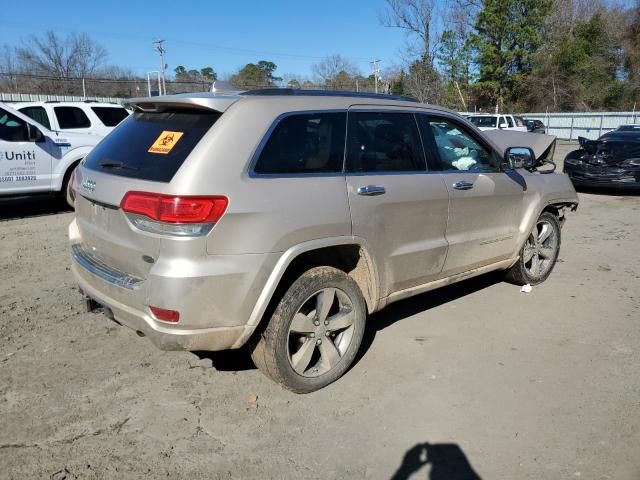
34,159
80,117
498,121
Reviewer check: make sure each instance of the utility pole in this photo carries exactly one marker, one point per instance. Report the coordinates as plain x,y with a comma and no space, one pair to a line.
159,46
375,70
157,72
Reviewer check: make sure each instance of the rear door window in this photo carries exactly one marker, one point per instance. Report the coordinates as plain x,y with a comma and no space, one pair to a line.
71,117
110,116
304,143
383,142
510,122
151,145
39,114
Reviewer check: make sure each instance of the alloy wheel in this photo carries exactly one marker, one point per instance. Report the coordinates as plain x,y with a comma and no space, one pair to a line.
320,332
541,249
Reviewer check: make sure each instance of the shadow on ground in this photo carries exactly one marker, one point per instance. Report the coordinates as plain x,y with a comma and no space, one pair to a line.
229,360
36,206
237,360
447,461
407,308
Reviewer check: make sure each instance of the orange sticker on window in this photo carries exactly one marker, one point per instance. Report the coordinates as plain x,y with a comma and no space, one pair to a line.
165,142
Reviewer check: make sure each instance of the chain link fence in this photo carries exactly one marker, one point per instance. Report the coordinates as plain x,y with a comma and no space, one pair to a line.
92,88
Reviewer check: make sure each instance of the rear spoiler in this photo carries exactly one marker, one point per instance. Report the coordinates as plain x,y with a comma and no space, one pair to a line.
189,101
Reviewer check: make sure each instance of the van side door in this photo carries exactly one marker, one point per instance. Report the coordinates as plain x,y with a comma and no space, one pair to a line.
397,206
485,204
71,118
25,165
37,113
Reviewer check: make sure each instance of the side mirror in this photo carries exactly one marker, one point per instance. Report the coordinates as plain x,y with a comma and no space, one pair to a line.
519,157
34,135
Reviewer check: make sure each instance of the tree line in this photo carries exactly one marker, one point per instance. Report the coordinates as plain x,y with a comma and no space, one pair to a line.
516,55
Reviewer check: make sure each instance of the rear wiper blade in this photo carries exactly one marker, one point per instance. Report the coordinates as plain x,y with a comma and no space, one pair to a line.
109,164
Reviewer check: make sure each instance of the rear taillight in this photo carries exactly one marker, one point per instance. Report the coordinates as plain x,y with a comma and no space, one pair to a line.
164,315
174,214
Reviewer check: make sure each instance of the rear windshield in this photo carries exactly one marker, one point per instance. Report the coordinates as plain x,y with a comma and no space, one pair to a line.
484,121
110,116
151,146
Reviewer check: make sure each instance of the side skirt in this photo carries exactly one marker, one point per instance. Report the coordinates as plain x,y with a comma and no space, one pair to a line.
410,292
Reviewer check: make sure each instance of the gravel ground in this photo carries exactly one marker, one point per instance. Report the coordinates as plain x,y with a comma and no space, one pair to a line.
475,380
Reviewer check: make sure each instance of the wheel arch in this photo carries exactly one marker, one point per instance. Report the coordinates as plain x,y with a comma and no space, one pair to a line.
533,211
66,165
349,254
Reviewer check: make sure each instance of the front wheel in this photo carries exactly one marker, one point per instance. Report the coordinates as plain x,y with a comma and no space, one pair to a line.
314,333
539,253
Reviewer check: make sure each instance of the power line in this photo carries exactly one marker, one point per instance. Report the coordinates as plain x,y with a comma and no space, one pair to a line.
209,46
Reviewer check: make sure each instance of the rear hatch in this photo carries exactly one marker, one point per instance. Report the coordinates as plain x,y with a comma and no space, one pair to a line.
142,154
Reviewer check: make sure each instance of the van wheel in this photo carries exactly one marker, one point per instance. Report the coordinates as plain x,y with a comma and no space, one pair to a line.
64,193
314,333
539,253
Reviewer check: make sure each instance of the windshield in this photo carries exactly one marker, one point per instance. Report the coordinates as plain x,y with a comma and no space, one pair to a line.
484,121
629,128
151,145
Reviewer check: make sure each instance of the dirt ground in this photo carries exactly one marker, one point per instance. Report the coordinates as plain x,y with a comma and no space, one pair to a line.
476,380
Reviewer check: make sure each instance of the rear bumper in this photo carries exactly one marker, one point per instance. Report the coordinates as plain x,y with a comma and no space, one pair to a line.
165,338
215,295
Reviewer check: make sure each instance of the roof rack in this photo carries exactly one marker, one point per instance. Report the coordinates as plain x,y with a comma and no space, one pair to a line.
325,93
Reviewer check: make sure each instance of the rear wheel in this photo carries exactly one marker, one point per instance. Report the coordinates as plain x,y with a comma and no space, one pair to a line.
539,253
315,332
64,191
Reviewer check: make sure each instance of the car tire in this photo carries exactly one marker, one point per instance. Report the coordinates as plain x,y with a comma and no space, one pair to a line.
541,249
323,305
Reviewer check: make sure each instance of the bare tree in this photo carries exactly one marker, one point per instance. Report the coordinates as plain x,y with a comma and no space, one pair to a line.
415,18
8,68
292,80
566,14
77,55
461,16
334,71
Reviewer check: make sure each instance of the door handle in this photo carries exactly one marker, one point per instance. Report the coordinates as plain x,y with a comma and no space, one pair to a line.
371,190
463,185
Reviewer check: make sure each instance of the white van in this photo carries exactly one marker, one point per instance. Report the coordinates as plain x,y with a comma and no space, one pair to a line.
498,121
35,159
81,117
